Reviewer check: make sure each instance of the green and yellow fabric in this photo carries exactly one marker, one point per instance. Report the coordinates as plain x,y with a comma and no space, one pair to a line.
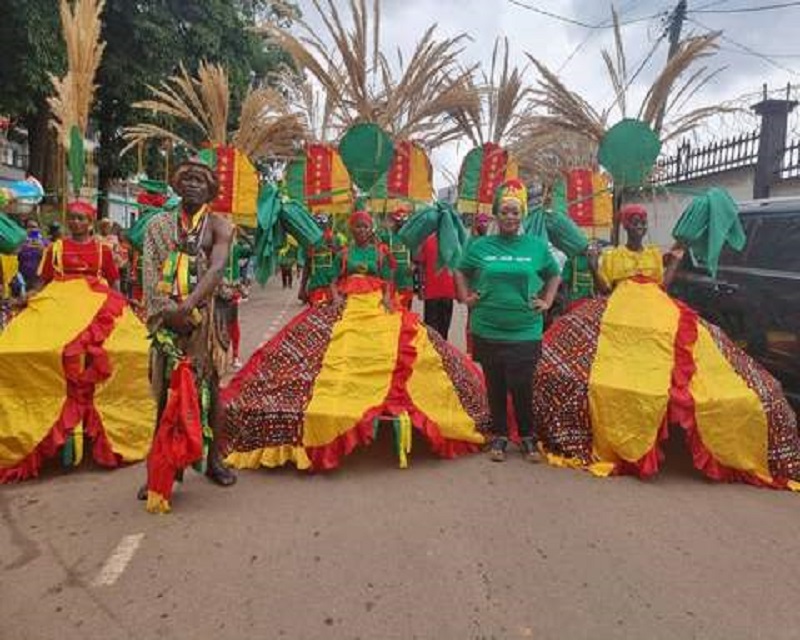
319,180
482,172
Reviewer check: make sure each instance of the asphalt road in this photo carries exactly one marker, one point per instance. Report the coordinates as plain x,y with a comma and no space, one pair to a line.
445,549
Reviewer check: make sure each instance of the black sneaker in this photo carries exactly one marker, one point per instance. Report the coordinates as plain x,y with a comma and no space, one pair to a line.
529,450
497,452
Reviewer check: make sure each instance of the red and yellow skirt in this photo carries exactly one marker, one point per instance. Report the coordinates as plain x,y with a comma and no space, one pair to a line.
616,373
73,368
319,389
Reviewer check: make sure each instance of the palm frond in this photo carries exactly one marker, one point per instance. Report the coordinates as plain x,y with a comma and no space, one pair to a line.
565,109
408,99
266,126
143,133
202,103
689,52
74,93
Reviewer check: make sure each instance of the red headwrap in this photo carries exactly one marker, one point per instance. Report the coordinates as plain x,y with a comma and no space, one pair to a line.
631,211
82,208
359,216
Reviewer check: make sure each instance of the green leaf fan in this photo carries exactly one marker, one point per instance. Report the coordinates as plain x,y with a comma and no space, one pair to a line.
367,152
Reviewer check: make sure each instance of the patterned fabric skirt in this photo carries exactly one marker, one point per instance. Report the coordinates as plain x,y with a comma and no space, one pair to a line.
616,373
335,373
73,377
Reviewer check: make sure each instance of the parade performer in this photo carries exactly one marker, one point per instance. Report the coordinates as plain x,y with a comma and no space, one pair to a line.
404,267
438,287
235,289
617,372
319,271
336,372
185,256
287,260
90,357
578,280
514,281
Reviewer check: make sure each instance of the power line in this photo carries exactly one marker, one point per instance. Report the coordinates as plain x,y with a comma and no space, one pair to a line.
600,25
572,21
715,3
744,47
766,7
768,55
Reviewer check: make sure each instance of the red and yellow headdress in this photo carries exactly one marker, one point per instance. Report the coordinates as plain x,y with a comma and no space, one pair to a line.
514,190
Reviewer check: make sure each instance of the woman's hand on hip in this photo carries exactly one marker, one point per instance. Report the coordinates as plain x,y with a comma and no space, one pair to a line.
541,305
472,299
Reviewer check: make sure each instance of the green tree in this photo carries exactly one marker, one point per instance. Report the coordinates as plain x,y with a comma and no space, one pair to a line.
30,49
145,42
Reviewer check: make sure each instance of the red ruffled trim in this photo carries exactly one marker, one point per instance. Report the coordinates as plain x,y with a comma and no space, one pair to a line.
320,296
397,401
360,284
647,466
79,404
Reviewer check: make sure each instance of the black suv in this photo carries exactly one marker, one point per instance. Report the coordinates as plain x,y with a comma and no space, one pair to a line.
755,297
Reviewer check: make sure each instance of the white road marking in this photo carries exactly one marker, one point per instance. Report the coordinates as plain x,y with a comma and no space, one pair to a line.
118,560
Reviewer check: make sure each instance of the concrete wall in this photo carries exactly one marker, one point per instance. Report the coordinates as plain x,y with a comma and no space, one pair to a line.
786,188
666,208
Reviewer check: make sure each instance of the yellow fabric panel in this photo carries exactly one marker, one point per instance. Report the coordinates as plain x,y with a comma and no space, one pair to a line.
433,393
124,401
421,175
730,419
10,268
269,457
341,187
603,200
32,383
630,378
245,192
621,263
512,168
356,371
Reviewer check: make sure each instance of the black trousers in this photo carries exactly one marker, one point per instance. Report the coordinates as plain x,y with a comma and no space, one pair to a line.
286,276
438,314
508,368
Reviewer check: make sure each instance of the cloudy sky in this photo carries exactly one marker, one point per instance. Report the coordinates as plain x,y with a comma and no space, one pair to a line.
770,33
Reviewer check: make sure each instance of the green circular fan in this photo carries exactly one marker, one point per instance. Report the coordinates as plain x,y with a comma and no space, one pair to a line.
367,152
628,151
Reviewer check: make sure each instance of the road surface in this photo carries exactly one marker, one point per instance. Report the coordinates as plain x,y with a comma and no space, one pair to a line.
446,549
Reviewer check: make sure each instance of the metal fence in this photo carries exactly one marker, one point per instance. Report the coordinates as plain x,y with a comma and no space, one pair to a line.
790,167
689,162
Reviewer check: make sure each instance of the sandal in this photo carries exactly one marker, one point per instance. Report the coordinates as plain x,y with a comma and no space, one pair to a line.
497,453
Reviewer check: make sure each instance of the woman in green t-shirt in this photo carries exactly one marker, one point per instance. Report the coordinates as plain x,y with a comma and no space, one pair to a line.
508,281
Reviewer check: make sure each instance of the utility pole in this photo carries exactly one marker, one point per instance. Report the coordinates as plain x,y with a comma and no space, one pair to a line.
676,20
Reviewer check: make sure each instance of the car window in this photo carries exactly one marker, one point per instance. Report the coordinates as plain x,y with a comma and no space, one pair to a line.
732,258
776,243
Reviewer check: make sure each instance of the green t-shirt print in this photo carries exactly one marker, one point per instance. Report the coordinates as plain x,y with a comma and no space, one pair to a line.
508,273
